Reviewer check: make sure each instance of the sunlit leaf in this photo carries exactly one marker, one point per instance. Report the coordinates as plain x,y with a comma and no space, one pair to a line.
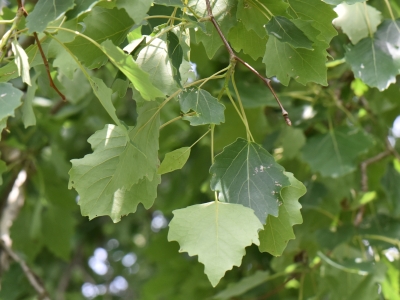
217,232
174,160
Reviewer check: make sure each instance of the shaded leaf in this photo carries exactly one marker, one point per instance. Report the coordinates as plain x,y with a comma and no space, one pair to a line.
46,11
317,11
129,67
247,40
136,9
207,108
286,31
3,168
334,153
376,61
357,20
10,99
247,174
254,16
278,230
175,54
217,232
244,285
174,160
101,24
21,60
58,230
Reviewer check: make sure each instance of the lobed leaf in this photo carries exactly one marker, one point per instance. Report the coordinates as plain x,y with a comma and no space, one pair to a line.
46,11
278,230
217,232
334,153
207,108
247,174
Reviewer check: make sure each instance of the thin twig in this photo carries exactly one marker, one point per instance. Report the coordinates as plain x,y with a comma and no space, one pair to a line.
46,63
233,56
32,277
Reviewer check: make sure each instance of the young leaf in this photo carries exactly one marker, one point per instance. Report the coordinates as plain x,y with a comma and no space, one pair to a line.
10,99
101,24
128,66
337,151
174,160
136,9
278,230
110,181
217,232
28,115
254,16
21,60
284,61
317,11
208,109
154,60
247,174
46,11
247,40
287,32
357,20
374,60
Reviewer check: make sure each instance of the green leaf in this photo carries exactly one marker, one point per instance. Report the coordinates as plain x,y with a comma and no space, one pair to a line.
357,20
103,93
81,7
10,99
110,181
175,3
129,67
207,108
101,24
216,232
242,286
392,189
175,53
247,40
376,61
255,14
284,61
21,60
317,11
291,140
46,11
154,60
136,9
337,2
210,40
337,151
58,230
247,174
174,160
278,230
286,31
28,115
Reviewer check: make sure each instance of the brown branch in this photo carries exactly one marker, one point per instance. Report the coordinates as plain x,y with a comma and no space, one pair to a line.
46,63
233,56
32,277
